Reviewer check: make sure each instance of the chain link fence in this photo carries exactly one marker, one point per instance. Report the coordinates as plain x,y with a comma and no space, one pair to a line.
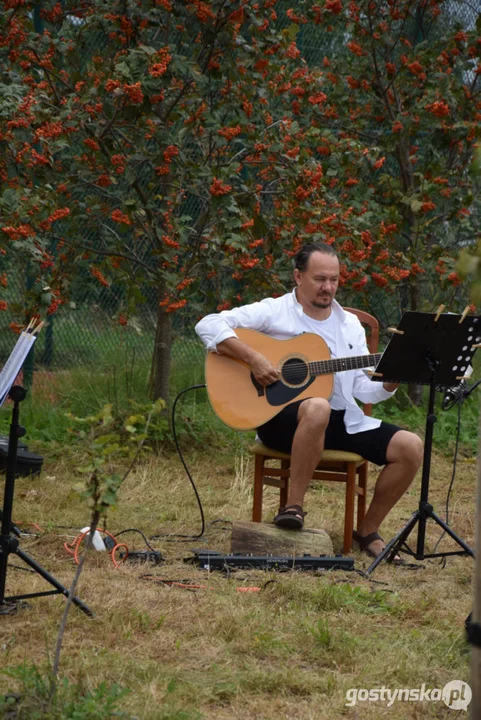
85,332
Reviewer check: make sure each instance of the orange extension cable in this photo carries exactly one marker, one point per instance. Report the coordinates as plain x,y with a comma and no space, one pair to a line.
73,548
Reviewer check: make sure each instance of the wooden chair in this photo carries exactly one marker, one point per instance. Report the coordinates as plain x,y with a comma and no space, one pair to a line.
335,465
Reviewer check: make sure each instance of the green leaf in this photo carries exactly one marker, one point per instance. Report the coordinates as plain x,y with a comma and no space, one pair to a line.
147,49
123,70
292,31
415,205
467,263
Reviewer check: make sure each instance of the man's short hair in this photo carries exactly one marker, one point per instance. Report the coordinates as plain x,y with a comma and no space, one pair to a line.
301,259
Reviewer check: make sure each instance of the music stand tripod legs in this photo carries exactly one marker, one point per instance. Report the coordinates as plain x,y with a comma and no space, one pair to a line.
425,510
9,544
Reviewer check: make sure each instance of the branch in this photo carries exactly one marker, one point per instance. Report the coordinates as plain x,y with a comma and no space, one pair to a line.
111,253
206,63
49,72
111,122
99,189
93,527
15,9
71,594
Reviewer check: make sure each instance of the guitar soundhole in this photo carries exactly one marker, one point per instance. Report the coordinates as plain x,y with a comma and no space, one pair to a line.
294,371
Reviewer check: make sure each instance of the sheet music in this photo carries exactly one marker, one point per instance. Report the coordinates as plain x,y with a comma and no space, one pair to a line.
14,363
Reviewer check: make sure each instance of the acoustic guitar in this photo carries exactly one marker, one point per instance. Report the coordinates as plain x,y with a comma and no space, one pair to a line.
306,370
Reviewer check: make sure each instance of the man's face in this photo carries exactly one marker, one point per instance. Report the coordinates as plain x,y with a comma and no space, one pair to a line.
317,285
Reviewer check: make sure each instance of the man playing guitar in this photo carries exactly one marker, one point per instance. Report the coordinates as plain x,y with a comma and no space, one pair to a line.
304,427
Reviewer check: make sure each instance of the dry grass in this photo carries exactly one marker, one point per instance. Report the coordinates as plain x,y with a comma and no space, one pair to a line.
289,651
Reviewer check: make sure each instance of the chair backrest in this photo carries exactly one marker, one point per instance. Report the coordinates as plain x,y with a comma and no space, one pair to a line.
371,326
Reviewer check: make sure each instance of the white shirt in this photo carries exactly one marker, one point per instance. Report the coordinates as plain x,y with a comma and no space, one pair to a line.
283,318
327,330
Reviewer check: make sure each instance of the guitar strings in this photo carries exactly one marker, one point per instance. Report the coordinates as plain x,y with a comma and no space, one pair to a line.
294,368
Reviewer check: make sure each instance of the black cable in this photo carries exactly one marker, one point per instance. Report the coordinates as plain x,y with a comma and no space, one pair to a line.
116,535
458,399
178,535
179,452
17,567
460,402
221,520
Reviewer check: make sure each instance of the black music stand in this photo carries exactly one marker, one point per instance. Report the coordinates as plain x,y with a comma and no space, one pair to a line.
435,350
10,544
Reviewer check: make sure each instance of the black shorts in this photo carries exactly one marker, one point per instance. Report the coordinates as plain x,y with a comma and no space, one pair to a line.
278,434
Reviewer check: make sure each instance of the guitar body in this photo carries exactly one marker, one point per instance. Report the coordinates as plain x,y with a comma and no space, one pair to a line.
241,403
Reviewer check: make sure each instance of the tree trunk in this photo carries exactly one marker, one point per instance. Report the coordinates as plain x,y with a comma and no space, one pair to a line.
160,371
476,616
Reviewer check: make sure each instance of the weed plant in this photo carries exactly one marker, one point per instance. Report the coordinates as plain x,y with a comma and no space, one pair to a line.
35,698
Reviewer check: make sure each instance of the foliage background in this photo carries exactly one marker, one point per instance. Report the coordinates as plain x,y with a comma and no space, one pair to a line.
178,153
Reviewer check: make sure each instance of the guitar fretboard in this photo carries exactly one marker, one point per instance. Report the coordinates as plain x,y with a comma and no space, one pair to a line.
326,367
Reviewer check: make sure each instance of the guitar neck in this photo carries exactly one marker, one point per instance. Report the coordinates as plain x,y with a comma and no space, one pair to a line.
326,367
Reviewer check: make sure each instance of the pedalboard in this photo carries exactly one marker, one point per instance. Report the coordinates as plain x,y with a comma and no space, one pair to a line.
143,556
213,560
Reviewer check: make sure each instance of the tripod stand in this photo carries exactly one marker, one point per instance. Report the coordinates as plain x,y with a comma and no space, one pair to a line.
434,350
9,543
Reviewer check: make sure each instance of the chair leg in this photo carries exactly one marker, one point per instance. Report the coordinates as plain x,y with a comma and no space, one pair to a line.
284,491
361,499
258,488
349,509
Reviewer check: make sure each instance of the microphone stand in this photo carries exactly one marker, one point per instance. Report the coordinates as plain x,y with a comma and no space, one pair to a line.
467,392
462,392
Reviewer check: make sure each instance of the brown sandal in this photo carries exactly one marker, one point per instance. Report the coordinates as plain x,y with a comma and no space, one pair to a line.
290,517
365,540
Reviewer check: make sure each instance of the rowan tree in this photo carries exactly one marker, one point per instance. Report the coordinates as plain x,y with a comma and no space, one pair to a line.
189,146
148,140
401,107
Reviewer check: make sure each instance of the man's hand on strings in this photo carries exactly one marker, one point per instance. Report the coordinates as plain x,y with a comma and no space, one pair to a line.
263,370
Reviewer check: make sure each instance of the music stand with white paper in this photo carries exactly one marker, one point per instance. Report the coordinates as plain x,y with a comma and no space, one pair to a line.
9,544
17,357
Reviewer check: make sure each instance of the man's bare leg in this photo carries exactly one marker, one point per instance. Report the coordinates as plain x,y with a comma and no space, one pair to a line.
307,446
404,457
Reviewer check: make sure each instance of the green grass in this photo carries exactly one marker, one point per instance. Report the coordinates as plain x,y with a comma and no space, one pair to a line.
401,411
37,701
83,391
293,649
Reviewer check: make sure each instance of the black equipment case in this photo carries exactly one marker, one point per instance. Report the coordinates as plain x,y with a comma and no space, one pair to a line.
28,463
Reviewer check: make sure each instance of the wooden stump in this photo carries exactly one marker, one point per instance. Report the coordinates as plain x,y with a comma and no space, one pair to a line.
266,539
